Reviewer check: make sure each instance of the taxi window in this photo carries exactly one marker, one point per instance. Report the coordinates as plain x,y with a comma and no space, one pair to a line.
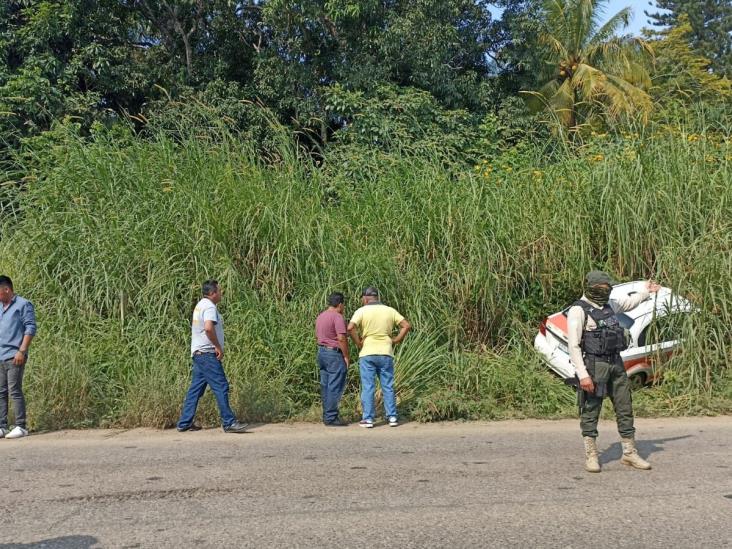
662,328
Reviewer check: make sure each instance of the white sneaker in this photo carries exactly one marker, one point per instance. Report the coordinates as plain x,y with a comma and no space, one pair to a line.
3,432
367,423
393,421
17,432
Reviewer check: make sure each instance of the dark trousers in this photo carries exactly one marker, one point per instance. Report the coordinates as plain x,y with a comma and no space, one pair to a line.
332,381
11,382
618,391
207,370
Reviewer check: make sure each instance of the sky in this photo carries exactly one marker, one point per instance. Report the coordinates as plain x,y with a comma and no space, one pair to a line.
639,18
614,6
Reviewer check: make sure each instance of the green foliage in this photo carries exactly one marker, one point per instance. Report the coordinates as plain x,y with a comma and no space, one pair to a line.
392,118
65,58
293,148
101,61
588,68
517,51
114,234
436,46
220,106
679,73
710,21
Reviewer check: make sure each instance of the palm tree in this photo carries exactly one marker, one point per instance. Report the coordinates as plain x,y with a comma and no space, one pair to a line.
587,65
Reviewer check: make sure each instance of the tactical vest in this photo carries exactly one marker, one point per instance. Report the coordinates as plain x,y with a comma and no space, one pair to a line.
609,338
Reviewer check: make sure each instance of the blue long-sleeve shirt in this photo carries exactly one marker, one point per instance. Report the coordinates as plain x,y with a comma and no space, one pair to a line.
17,321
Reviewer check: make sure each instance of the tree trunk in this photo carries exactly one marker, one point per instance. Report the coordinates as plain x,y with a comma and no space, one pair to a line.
573,115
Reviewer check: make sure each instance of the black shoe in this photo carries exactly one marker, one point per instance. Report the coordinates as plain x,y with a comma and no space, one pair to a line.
191,427
236,427
335,423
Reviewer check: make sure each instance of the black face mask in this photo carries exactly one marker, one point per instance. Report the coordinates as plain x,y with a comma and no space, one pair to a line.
598,294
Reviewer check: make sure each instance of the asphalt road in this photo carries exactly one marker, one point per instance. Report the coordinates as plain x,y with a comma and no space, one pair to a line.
506,484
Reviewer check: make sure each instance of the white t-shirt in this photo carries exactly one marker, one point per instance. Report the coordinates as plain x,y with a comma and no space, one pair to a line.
205,310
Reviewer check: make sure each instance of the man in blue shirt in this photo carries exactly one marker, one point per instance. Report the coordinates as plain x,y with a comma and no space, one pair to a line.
17,328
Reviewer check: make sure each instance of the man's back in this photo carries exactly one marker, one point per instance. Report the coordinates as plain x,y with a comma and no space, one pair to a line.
376,322
328,326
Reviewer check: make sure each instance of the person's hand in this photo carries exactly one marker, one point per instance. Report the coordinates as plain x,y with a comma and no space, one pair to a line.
348,362
19,359
652,287
587,385
219,354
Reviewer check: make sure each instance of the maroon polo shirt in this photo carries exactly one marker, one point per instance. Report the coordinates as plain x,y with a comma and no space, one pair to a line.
328,326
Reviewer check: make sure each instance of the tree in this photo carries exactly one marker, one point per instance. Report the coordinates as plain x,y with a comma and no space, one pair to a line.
70,57
587,67
178,23
515,38
439,46
711,26
680,73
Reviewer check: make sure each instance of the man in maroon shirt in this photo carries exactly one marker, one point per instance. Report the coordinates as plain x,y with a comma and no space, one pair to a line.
333,358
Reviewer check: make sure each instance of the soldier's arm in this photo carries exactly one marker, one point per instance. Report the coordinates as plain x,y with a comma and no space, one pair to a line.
575,325
630,302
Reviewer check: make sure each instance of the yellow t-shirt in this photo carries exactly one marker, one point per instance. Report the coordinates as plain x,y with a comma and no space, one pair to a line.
376,323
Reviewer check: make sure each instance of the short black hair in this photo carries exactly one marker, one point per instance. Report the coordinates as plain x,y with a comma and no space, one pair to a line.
370,291
209,287
335,299
5,281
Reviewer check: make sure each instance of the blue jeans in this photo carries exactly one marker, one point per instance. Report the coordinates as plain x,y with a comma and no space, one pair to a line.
207,370
11,382
332,381
371,366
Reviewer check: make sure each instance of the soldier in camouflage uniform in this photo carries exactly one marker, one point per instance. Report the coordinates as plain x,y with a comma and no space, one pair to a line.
595,340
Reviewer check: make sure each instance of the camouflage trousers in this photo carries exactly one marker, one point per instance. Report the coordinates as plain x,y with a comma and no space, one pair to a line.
618,391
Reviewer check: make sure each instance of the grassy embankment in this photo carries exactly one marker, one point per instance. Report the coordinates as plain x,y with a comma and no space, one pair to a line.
113,236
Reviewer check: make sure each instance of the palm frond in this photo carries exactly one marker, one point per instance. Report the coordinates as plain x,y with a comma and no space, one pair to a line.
599,67
554,45
619,51
617,22
623,97
588,81
586,14
557,20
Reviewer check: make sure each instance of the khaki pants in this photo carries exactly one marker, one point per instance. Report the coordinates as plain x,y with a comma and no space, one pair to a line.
618,390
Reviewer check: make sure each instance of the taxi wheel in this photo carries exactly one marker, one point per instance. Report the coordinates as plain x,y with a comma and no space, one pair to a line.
638,380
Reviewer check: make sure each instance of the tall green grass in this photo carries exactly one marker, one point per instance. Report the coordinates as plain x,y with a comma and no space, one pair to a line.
112,235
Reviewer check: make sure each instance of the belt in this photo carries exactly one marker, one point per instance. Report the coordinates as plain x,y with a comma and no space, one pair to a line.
199,353
604,358
337,349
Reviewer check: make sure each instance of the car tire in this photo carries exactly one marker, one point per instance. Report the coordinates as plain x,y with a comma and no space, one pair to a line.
638,380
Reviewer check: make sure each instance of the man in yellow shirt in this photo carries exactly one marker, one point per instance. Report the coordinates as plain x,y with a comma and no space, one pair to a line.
376,322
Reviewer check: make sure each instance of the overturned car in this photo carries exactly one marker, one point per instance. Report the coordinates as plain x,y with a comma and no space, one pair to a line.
654,328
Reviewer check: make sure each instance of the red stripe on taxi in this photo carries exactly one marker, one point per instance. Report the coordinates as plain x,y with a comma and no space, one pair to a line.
558,321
